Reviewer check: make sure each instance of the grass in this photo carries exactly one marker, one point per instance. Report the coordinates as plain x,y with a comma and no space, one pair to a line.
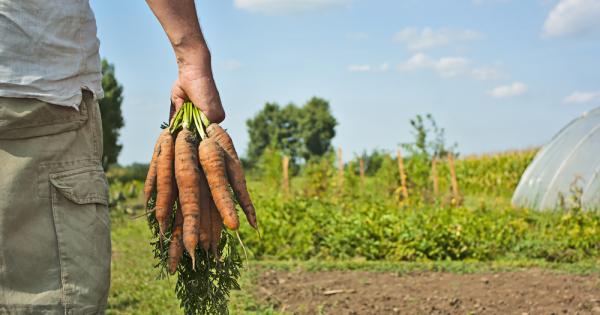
135,288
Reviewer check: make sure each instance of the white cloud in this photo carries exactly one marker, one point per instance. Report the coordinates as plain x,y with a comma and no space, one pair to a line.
445,66
426,38
287,6
573,17
582,97
232,65
451,66
488,73
384,67
359,68
504,91
418,60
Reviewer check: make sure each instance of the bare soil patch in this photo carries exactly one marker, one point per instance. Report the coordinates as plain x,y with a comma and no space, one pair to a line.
359,292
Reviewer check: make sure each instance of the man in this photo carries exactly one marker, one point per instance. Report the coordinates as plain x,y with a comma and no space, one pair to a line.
54,224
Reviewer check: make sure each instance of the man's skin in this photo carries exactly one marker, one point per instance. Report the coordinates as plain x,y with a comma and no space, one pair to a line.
195,81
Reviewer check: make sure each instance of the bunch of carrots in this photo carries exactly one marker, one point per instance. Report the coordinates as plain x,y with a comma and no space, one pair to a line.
193,166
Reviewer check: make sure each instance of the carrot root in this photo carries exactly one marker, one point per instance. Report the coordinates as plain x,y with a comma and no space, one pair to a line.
187,174
235,172
213,162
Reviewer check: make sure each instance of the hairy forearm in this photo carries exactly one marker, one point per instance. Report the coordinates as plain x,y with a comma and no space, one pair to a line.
180,22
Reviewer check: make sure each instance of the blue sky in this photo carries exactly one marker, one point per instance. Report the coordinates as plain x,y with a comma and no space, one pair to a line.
497,74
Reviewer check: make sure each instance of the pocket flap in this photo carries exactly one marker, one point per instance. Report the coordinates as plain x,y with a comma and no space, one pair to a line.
82,186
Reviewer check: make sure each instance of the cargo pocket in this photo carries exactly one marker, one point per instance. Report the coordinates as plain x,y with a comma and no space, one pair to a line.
22,118
80,210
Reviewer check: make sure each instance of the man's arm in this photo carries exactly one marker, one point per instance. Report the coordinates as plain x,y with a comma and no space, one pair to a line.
195,81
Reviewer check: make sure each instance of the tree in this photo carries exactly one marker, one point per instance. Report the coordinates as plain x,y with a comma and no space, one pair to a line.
299,132
274,127
317,127
112,118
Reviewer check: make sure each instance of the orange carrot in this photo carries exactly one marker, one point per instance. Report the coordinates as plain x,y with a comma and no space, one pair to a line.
150,183
216,225
176,245
235,172
205,199
213,162
187,174
165,193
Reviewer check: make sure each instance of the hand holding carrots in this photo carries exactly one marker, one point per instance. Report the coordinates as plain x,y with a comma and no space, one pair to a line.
193,165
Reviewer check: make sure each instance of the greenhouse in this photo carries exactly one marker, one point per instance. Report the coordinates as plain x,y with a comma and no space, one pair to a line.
565,171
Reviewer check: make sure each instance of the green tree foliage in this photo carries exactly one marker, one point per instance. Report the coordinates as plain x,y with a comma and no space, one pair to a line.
299,132
317,127
110,110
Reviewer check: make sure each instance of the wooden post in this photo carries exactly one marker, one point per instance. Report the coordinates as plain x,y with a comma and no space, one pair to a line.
453,180
340,167
402,174
361,163
434,176
286,179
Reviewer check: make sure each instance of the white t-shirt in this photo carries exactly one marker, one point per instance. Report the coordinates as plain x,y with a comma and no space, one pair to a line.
49,51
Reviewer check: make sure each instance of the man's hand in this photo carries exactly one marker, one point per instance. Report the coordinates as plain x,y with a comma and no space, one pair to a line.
201,90
195,82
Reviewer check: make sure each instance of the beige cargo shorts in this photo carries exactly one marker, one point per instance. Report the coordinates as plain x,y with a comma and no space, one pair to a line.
54,225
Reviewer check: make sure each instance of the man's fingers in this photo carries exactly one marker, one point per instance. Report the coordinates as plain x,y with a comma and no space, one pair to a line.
207,99
177,102
203,93
178,96
213,112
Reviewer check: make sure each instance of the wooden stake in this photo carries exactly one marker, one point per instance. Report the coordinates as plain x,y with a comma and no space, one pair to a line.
362,171
434,176
286,179
402,174
454,181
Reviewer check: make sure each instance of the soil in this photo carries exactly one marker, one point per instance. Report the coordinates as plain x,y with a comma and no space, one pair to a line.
360,292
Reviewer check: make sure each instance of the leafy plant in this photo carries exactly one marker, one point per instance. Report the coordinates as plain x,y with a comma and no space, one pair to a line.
206,289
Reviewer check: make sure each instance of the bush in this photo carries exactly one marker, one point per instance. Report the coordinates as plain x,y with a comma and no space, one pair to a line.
375,229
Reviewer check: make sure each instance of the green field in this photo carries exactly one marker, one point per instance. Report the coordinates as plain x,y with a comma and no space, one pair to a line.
136,290
326,223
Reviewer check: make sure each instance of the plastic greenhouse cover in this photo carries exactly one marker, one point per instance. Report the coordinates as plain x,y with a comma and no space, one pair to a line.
569,162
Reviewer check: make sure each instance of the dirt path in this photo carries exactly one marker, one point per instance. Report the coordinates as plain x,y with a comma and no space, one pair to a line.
360,292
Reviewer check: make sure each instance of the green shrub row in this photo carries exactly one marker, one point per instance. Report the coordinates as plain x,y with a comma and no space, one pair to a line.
305,228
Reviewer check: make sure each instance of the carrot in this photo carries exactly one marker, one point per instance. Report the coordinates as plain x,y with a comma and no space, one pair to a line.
213,162
235,172
165,192
176,245
187,174
150,183
205,214
216,225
